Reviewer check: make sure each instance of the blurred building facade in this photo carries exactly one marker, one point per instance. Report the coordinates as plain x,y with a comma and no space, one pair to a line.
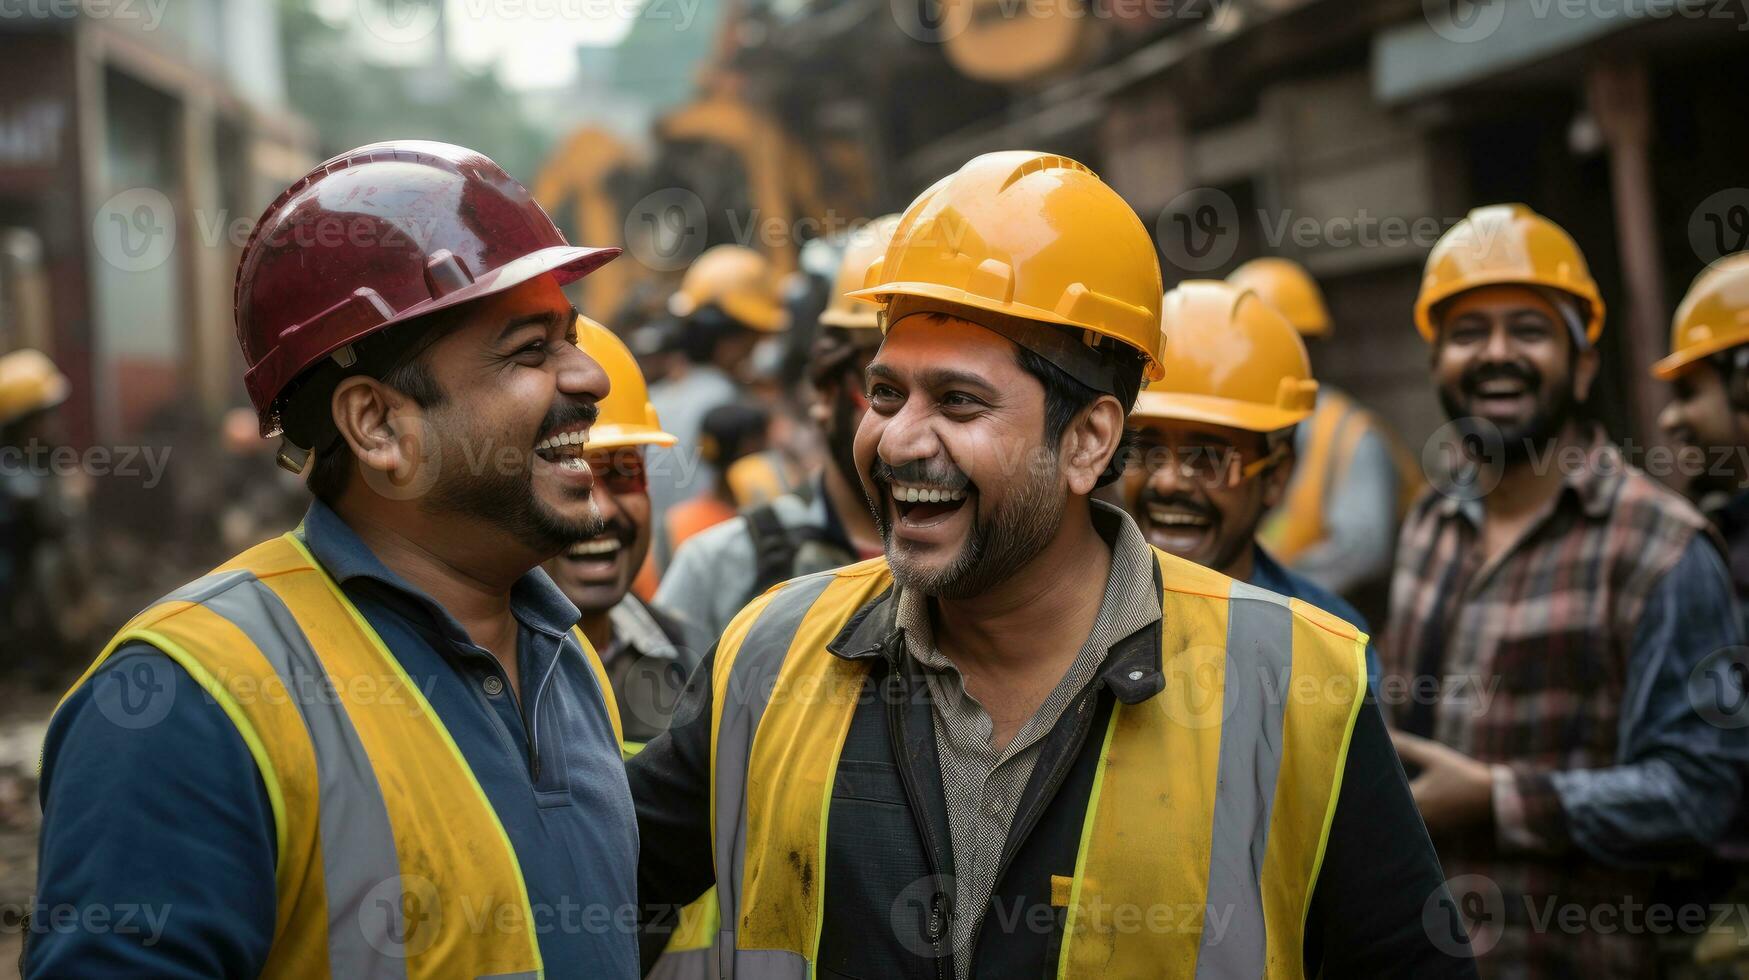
137,143
1346,134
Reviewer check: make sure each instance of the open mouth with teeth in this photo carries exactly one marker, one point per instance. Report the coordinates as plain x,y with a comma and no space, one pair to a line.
921,506
564,449
1177,529
1500,396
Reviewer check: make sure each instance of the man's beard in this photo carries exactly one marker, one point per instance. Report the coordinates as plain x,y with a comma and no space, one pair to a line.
505,500
1555,407
1021,525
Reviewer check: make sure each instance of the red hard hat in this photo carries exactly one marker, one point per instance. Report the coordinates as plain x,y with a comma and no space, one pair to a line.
377,236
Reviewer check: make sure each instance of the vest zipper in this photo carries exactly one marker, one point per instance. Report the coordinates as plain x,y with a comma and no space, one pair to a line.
940,903
1083,720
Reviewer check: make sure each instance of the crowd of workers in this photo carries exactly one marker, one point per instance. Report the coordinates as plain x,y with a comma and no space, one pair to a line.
1042,668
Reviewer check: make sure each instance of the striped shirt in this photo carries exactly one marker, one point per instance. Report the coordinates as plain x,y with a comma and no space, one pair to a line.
983,786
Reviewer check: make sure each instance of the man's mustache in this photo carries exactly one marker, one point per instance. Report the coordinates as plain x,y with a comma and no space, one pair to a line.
936,473
1481,374
567,413
1182,501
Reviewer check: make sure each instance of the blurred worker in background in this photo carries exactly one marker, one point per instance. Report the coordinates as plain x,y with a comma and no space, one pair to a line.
948,762
254,498
721,571
1336,523
648,651
1216,438
1708,415
729,435
727,300
342,750
1550,606
47,602
1708,419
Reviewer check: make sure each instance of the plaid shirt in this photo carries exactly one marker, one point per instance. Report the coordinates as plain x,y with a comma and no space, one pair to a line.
1566,663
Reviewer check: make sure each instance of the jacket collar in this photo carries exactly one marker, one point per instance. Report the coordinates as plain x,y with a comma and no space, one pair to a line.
1592,482
1132,669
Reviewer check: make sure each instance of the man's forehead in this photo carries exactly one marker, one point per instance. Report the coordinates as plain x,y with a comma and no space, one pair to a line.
1502,300
1184,430
934,340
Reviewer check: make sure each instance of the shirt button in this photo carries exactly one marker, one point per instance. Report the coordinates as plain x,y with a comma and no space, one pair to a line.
493,686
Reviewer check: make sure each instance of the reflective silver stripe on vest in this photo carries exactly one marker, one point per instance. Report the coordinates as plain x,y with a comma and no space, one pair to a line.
1259,665
360,869
751,679
685,964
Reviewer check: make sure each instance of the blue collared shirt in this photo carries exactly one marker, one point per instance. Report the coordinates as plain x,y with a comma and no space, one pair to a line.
153,808
1267,573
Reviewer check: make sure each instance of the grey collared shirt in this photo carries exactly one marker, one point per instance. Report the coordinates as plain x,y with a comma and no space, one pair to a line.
982,786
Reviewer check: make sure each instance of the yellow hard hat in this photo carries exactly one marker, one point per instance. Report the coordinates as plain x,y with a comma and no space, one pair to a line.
627,418
1231,359
1714,316
1028,235
29,382
736,280
1287,286
1506,245
866,244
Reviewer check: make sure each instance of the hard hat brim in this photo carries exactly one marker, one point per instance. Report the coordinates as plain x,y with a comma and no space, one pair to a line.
879,295
1210,410
610,436
1676,362
1425,304
847,320
269,378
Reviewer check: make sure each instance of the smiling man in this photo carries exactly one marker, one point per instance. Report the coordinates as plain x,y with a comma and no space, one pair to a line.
1708,415
1017,744
1573,614
1215,450
373,746
648,651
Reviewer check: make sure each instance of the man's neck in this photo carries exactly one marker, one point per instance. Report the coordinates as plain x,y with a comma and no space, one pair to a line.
1039,615
470,581
597,627
1529,484
851,508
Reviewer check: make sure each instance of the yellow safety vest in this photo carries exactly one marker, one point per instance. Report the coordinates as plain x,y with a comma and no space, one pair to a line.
391,860
1237,821
691,950
1337,426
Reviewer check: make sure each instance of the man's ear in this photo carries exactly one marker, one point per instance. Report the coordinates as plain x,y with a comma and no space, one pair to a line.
1276,480
383,428
1090,442
1585,373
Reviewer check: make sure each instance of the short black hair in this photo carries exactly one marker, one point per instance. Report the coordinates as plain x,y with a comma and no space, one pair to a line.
397,358
1065,397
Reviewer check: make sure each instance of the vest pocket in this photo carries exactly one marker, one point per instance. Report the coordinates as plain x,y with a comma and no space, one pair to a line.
869,781
1062,888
